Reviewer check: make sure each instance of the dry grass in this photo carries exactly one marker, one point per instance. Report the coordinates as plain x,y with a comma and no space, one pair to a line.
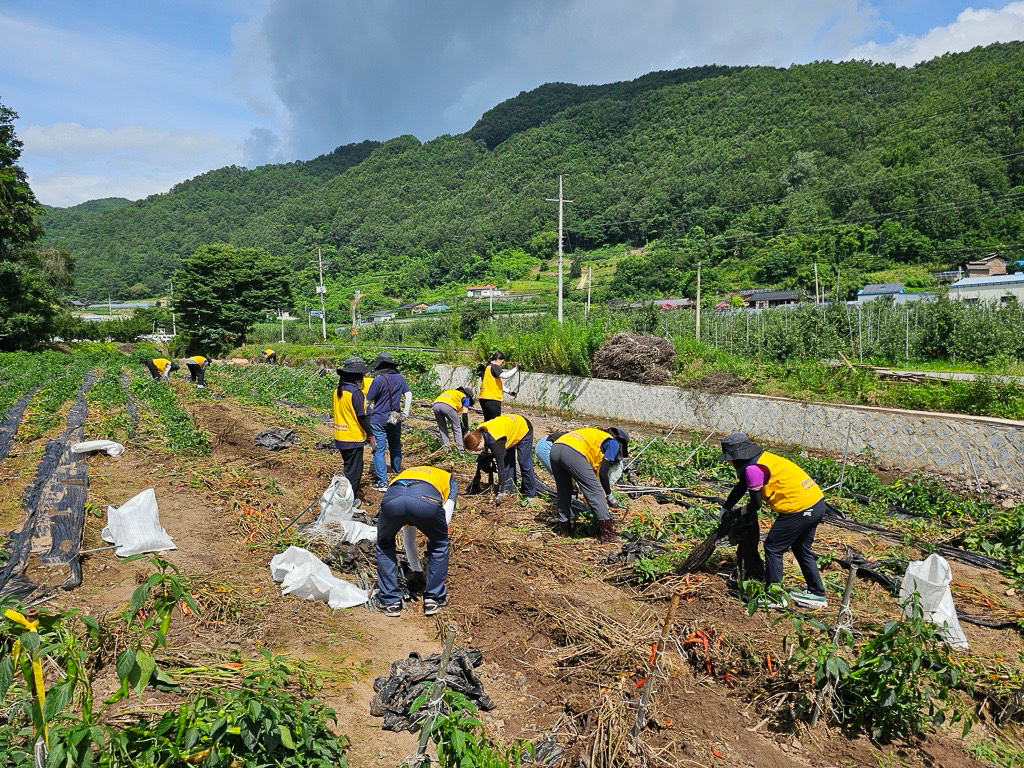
597,643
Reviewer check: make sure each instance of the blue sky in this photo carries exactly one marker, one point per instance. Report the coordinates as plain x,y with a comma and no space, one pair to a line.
129,98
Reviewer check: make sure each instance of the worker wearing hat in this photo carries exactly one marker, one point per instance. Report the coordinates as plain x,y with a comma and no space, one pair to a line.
793,496
587,456
392,400
197,365
269,355
351,427
160,368
447,408
423,497
507,438
492,389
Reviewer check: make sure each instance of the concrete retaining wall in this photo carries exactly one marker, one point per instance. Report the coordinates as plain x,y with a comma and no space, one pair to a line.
908,440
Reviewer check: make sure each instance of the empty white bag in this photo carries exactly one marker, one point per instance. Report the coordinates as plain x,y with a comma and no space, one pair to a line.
931,578
337,501
135,526
109,447
303,574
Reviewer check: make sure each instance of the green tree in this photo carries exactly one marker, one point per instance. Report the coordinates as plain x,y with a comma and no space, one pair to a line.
29,278
223,290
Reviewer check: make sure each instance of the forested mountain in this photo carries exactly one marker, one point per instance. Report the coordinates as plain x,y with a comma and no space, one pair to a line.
757,171
131,248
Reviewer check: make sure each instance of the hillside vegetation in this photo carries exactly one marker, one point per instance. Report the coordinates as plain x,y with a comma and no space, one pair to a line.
759,172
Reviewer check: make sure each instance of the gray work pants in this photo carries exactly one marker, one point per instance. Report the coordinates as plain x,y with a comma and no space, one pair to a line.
568,464
445,415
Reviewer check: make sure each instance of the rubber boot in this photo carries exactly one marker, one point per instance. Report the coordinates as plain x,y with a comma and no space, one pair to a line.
564,528
608,533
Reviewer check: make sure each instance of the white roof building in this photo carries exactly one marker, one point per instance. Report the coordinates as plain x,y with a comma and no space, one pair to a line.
995,288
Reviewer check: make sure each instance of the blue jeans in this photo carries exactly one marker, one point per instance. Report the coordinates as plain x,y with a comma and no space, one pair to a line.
414,503
543,450
388,437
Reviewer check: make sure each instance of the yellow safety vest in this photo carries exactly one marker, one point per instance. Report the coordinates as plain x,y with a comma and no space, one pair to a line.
789,489
161,363
452,398
586,442
268,352
512,427
490,387
367,381
197,359
347,428
433,476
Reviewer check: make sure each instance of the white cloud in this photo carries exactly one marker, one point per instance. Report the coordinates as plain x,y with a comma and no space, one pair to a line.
69,163
71,189
973,27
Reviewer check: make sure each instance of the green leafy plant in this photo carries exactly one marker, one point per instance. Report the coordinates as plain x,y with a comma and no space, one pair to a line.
903,681
460,738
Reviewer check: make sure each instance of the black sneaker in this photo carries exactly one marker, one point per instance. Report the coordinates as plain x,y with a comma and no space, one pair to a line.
393,610
430,606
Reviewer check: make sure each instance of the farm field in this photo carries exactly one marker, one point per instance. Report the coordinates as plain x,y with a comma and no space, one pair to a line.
565,633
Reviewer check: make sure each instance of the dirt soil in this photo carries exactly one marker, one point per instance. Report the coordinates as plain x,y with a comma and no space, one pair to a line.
530,600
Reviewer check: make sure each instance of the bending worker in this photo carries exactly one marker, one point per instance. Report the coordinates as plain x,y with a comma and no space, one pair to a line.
389,392
507,438
197,365
160,368
269,355
447,409
423,497
587,456
492,390
793,496
351,427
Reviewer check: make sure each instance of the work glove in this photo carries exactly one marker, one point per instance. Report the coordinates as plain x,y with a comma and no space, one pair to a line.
500,497
612,503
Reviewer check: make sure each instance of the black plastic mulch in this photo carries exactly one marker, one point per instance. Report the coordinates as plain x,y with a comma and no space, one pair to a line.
276,438
413,677
10,423
54,510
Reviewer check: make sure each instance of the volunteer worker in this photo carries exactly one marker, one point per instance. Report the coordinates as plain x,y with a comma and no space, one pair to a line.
197,365
351,427
794,497
423,497
160,368
448,408
492,391
507,438
587,457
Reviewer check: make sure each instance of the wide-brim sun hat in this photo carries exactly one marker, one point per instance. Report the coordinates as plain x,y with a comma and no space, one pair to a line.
384,360
353,365
739,447
468,393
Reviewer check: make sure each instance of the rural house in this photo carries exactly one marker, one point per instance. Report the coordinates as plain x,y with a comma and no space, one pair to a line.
1001,289
991,265
769,299
483,292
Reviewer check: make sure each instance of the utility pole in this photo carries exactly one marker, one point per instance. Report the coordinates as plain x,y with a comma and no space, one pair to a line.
561,201
817,293
590,280
110,310
323,293
698,302
352,306
309,318
174,323
490,302
281,313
